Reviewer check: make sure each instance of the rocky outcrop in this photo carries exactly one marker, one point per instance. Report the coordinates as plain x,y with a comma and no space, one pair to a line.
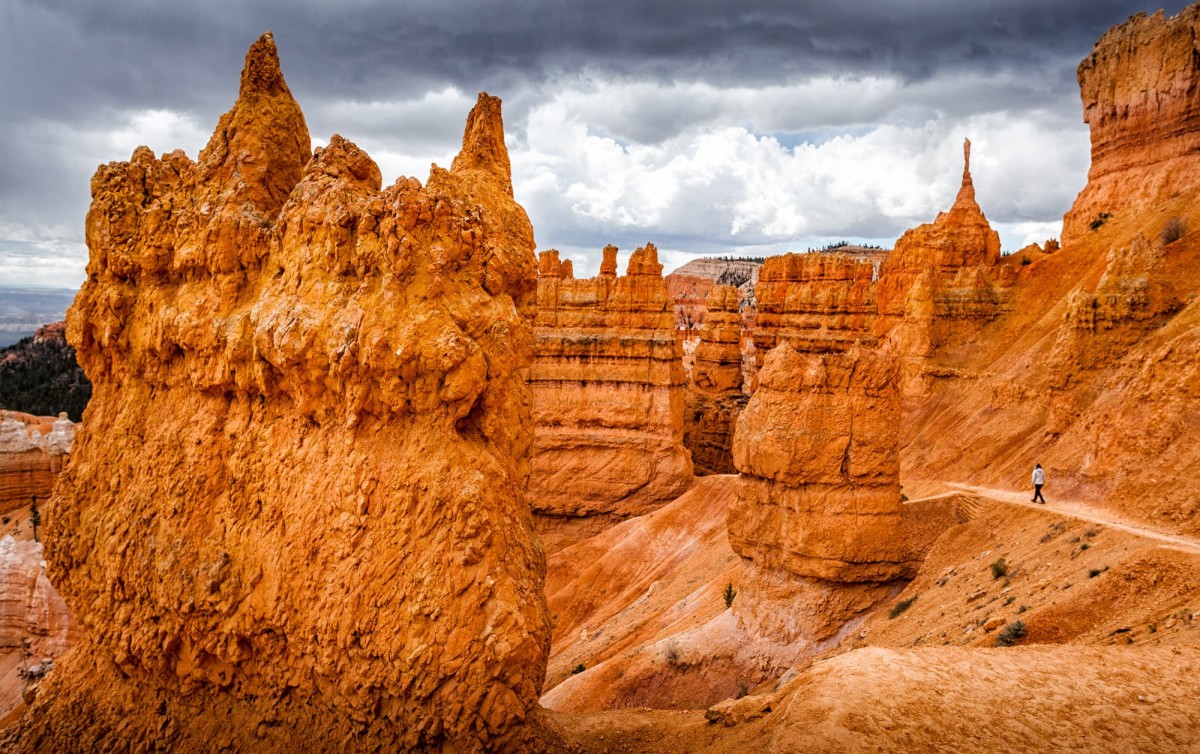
689,286
818,516
294,517
608,397
715,396
30,608
942,284
817,302
32,451
1141,99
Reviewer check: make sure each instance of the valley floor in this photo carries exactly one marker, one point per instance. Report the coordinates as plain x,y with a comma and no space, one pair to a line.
1108,661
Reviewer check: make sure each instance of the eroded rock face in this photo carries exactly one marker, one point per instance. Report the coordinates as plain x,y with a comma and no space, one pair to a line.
818,516
30,608
1141,99
942,284
32,452
607,392
817,302
715,396
690,285
817,448
294,516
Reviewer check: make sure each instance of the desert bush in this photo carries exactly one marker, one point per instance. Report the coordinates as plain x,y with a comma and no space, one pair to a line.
999,569
1101,218
578,669
1011,634
673,656
1025,260
729,594
901,606
1174,230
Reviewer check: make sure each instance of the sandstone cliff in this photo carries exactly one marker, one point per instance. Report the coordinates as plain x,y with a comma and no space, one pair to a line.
608,396
294,517
35,625
715,396
32,451
1141,101
817,301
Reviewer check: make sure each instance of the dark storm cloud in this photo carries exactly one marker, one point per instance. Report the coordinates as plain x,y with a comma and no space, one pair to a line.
62,57
75,72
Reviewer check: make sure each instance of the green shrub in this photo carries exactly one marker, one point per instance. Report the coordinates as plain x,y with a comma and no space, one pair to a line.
1011,634
901,606
729,594
999,569
578,669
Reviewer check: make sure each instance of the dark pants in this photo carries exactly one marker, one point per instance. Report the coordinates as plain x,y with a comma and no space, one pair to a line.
1037,493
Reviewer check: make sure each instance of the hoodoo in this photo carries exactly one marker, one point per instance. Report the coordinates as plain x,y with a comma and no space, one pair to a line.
1141,100
818,518
607,397
294,516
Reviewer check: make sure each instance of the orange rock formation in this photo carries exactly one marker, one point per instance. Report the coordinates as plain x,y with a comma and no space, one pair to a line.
32,450
817,302
294,517
715,396
1141,101
607,397
818,503
689,286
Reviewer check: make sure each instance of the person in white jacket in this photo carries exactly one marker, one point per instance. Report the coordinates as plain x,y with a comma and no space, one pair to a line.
1039,478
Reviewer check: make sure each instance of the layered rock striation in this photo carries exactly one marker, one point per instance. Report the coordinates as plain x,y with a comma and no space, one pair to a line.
608,393
32,452
1140,88
817,302
715,396
294,516
818,516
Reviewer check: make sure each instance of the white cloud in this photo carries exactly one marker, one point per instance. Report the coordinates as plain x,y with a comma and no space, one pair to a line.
720,188
694,168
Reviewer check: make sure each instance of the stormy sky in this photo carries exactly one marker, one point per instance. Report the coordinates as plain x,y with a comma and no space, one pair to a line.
749,127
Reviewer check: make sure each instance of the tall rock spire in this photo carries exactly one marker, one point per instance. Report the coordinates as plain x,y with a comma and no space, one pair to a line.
966,193
260,147
483,150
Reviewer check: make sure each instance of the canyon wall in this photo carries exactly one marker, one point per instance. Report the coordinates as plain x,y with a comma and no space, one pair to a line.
715,396
608,397
817,302
1141,102
32,452
294,515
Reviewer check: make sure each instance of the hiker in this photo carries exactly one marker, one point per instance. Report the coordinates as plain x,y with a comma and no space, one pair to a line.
1039,478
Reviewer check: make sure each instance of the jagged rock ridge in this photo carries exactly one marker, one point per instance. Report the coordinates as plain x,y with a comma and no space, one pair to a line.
607,394
294,516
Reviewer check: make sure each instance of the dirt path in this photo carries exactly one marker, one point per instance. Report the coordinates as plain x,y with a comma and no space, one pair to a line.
1084,512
